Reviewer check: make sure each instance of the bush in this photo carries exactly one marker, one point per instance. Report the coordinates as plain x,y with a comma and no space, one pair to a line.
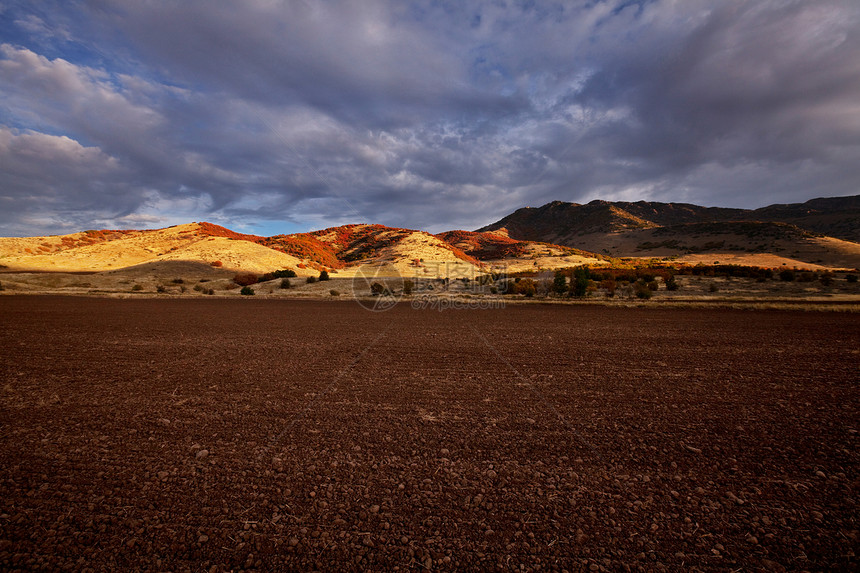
245,279
652,285
216,264
713,287
247,291
210,291
182,289
285,283
281,274
160,289
642,289
137,287
851,278
671,283
333,292
407,286
323,275
311,280
198,288
178,281
826,279
379,289
610,285
786,275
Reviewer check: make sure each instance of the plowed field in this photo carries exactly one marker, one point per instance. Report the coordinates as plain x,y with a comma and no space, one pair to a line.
297,435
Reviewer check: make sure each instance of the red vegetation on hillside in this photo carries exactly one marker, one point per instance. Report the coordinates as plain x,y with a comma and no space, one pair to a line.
484,246
349,243
86,238
301,245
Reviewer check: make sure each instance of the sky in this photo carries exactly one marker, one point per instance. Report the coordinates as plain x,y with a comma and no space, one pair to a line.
272,116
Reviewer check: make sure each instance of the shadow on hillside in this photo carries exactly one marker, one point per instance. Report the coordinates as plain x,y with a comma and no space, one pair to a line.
170,269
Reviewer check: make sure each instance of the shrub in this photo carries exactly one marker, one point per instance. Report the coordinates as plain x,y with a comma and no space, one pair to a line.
851,278
281,274
198,288
311,280
494,290
210,291
324,275
247,291
217,264
807,277
713,287
642,289
245,279
2,287
137,287
826,279
333,292
407,286
529,290
610,286
671,283
378,289
285,283
160,289
178,281
653,285
182,289
786,275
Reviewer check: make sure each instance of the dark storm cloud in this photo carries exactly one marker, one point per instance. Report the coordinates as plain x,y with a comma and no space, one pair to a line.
433,115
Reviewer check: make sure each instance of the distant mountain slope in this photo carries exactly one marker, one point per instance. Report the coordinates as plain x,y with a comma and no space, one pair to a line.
832,216
410,252
644,228
562,223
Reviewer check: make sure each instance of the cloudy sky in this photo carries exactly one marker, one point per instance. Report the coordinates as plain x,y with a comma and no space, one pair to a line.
275,116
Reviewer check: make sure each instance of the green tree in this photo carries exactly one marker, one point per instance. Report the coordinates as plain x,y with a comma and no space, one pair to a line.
559,283
579,285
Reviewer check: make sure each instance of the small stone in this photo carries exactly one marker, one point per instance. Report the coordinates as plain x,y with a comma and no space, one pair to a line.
821,474
203,539
404,540
163,475
491,474
374,509
202,454
294,541
445,451
752,540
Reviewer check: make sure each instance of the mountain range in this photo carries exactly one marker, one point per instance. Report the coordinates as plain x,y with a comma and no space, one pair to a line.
818,233
825,230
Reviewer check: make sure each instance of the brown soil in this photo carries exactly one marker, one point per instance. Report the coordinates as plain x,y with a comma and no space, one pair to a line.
530,438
